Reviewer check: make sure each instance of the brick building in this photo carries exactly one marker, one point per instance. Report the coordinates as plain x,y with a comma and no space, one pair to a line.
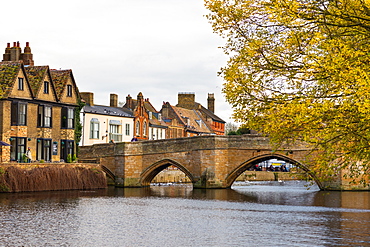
149,124
37,108
189,118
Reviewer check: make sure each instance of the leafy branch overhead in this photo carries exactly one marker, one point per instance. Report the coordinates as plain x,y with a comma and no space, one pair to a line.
299,71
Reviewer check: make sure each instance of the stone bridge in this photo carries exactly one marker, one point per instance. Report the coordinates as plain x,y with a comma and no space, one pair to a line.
208,161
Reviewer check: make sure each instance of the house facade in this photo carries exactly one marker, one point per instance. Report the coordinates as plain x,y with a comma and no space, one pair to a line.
149,124
37,108
189,118
104,124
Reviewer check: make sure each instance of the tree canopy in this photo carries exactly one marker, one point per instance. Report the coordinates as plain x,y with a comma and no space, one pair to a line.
299,71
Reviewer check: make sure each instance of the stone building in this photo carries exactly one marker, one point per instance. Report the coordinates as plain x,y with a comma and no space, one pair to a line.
37,108
104,124
189,118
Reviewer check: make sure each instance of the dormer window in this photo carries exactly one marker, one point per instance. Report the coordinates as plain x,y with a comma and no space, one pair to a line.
69,90
20,84
46,87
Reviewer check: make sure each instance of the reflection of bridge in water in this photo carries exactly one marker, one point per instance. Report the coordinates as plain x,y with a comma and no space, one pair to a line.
208,161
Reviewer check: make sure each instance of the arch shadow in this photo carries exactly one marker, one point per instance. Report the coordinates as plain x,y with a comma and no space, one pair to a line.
230,179
150,172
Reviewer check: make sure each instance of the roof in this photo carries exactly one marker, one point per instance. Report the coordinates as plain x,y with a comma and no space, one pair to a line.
209,113
36,75
154,121
60,79
8,74
108,110
192,119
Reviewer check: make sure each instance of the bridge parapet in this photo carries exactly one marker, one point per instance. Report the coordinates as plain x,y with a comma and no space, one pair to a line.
208,161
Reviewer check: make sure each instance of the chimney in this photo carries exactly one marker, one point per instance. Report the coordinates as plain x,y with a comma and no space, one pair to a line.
27,56
113,100
15,52
6,55
186,100
165,110
211,102
129,102
88,97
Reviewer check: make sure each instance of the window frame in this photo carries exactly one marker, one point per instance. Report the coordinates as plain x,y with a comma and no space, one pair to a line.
16,152
45,116
69,90
46,87
127,129
67,118
44,149
94,129
18,111
20,83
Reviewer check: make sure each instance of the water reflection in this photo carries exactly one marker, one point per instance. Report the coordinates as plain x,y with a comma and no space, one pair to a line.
257,214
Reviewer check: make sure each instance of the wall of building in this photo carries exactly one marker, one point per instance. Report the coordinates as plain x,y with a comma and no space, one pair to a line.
104,128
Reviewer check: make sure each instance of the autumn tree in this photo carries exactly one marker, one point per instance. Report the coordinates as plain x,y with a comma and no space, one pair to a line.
299,71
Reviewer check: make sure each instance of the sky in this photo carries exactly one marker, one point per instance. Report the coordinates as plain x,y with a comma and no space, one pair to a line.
157,47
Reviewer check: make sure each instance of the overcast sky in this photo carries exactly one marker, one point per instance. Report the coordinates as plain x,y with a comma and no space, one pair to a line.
157,47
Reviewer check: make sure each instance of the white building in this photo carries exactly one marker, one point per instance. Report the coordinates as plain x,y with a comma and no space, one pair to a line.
104,124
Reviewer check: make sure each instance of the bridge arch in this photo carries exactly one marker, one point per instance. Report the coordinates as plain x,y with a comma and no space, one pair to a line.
231,177
108,172
150,172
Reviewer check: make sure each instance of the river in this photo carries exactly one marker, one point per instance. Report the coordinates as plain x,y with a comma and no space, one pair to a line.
254,214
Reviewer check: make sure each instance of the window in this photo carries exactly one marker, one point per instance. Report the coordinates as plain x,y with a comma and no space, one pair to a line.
17,148
66,149
138,128
68,118
69,90
144,129
94,128
44,118
114,131
19,113
43,149
127,129
20,84
46,87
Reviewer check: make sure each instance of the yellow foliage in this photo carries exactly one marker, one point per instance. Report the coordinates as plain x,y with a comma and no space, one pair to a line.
299,71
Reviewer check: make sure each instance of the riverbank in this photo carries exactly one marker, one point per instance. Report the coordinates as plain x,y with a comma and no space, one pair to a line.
26,177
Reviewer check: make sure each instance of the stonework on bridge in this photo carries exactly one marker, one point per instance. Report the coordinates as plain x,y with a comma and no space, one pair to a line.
208,161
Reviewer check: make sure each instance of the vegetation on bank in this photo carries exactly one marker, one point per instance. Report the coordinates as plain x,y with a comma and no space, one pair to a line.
41,177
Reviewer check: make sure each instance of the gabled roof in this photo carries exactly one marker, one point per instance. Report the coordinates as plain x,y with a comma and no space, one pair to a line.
8,74
192,119
108,110
60,79
209,113
36,75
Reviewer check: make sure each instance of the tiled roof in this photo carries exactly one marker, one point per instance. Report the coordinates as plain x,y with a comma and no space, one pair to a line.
36,75
60,79
154,121
8,75
107,110
209,114
192,119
